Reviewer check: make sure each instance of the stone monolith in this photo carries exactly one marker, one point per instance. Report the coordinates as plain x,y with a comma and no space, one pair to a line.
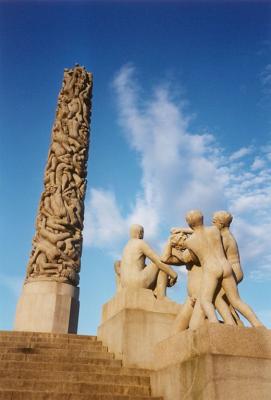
50,298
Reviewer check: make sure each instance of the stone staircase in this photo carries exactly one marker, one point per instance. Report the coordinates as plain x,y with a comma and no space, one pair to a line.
46,366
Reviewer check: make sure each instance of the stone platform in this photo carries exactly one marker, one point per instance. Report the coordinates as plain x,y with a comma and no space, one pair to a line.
216,362
43,366
133,322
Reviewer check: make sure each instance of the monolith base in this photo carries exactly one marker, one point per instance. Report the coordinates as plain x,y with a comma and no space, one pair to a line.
215,362
133,322
48,306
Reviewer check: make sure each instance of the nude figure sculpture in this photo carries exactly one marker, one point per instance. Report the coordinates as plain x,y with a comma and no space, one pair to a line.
133,271
222,220
174,255
206,244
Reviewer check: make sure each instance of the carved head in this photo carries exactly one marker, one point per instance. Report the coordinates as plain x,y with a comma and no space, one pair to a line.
177,240
51,190
136,231
194,218
222,219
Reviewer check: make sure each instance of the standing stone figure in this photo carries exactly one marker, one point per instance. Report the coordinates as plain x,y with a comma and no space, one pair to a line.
174,255
222,220
57,243
50,296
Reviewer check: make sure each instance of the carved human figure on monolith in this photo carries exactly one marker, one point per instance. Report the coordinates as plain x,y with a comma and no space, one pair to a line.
133,271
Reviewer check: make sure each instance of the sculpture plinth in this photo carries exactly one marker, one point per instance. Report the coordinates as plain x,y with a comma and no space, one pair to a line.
214,362
133,322
50,297
48,306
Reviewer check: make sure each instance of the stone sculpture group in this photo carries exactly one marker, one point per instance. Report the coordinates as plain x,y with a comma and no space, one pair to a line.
212,260
187,358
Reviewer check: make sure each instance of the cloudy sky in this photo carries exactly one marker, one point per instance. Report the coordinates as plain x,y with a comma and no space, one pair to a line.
181,119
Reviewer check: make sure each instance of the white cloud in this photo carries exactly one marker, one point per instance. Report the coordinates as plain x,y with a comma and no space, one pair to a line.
104,224
262,273
180,171
244,151
258,163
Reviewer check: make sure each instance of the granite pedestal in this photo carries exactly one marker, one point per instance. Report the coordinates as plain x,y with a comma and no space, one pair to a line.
48,306
133,322
215,362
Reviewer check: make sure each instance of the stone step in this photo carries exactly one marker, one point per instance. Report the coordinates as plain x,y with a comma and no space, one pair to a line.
57,352
52,344
66,376
68,367
98,358
71,387
50,366
48,337
47,334
28,395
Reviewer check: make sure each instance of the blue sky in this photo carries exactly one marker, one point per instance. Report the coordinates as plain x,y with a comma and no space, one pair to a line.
181,119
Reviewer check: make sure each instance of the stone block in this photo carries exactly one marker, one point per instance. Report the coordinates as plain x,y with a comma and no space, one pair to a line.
133,322
216,362
48,306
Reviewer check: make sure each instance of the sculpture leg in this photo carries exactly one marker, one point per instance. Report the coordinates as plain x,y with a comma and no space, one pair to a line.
198,317
207,290
161,286
182,320
237,271
230,287
149,275
236,317
223,308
